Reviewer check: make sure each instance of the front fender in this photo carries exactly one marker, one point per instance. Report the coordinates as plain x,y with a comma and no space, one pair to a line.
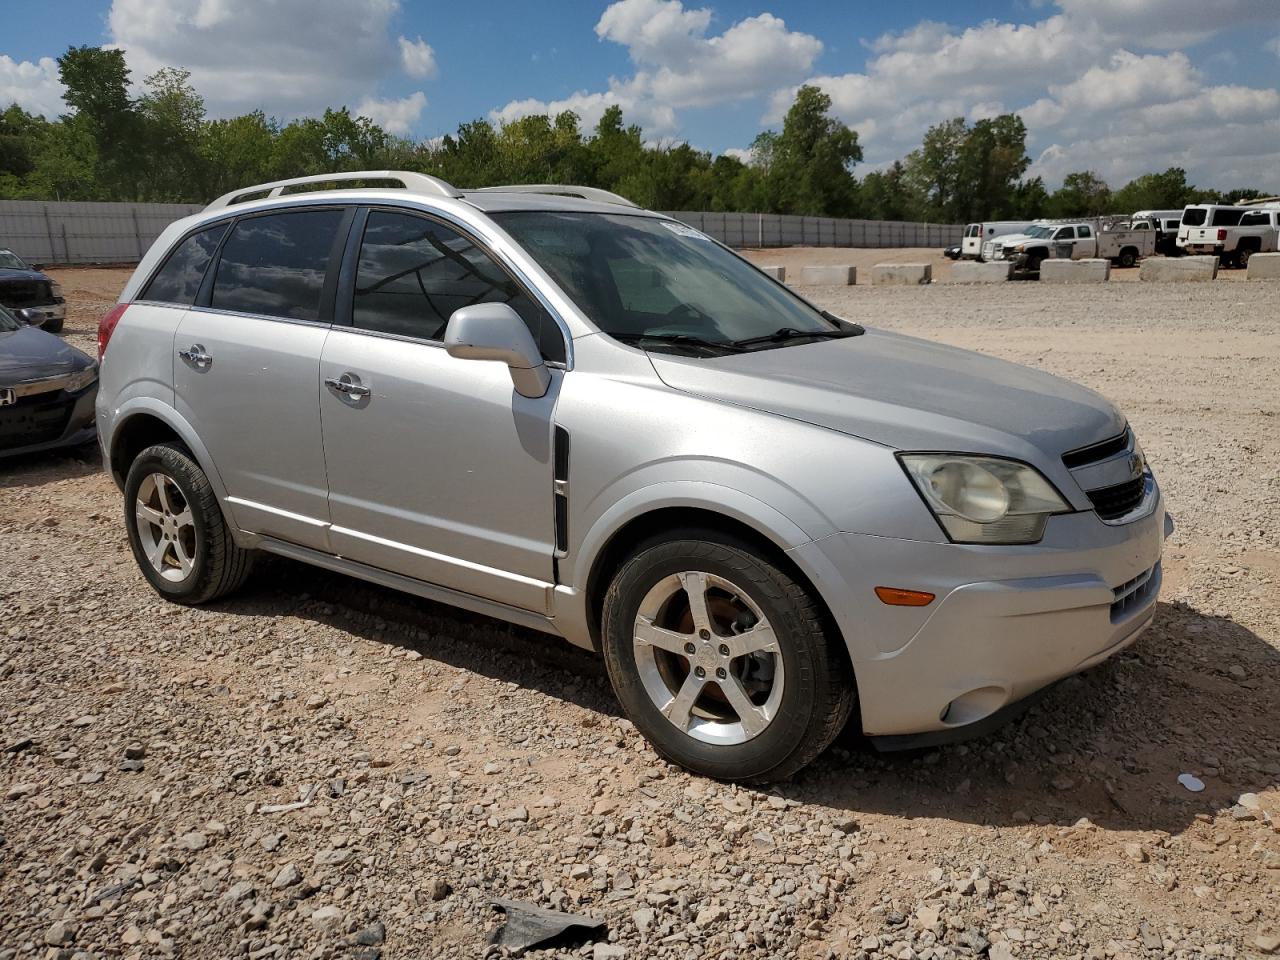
571,601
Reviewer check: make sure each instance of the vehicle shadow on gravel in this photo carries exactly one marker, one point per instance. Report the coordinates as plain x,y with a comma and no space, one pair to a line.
1196,694
31,470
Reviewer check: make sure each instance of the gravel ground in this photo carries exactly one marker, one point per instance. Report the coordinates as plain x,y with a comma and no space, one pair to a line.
317,768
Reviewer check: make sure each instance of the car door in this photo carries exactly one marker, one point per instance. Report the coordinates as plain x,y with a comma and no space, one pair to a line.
247,362
437,468
1085,246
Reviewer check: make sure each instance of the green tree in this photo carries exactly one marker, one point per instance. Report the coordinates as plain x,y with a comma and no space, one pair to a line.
96,85
808,166
964,173
1082,194
171,116
1159,191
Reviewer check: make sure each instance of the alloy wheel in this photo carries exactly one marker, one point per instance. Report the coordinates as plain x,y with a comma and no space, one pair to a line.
166,528
708,658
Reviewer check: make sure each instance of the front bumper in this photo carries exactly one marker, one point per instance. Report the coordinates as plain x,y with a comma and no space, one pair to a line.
45,312
989,640
41,426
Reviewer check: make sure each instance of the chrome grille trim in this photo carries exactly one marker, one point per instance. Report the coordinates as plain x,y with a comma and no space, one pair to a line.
1134,594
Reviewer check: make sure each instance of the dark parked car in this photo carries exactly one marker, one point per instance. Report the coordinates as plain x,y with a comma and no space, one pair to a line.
47,390
952,252
33,296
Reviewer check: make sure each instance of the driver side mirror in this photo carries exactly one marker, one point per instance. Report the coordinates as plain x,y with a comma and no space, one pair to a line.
37,267
494,331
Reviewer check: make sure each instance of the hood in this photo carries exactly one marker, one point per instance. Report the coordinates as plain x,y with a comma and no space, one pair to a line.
906,393
1011,239
8,273
31,354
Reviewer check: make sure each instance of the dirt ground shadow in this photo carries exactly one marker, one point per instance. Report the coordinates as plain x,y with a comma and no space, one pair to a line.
1107,745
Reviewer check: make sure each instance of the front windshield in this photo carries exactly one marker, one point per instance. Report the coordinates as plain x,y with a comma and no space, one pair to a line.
8,322
637,277
11,261
1040,233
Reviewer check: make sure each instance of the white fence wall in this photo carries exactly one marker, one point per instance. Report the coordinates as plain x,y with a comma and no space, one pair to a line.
68,232
786,230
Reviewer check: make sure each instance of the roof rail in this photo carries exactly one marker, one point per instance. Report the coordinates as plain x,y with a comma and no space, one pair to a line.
417,182
561,190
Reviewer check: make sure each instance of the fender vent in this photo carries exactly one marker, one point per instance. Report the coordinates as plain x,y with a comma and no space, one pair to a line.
561,487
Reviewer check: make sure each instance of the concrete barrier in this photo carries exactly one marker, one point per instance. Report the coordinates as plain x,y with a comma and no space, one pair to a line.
1075,271
972,271
1264,266
1179,269
778,273
842,275
901,274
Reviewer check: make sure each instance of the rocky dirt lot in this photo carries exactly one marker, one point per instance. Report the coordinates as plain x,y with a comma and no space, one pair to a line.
317,768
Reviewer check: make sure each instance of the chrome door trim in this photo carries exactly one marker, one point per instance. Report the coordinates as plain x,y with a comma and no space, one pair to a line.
421,588
443,558
276,511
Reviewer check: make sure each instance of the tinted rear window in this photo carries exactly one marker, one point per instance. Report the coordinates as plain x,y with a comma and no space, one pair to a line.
1226,217
1255,218
275,265
179,279
1193,218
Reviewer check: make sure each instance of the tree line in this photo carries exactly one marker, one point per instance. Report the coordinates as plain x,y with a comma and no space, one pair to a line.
162,146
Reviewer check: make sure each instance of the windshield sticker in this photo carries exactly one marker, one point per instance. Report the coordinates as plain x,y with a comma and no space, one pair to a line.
683,230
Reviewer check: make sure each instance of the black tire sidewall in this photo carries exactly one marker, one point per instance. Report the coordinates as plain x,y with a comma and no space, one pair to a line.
176,465
802,658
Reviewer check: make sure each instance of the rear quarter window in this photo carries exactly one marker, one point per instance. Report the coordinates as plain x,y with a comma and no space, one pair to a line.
275,264
1226,218
178,281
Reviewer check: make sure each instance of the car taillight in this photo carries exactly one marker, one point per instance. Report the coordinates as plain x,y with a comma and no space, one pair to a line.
1222,235
107,326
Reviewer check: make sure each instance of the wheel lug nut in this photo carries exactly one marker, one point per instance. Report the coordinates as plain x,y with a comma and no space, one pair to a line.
690,648
721,673
699,672
705,634
724,649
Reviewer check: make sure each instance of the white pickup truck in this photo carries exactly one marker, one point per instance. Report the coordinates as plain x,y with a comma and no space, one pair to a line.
1121,242
1233,233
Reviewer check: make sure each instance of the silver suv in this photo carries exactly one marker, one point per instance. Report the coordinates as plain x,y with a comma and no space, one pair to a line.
765,517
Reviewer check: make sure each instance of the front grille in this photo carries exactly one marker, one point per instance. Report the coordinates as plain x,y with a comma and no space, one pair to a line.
1095,452
26,293
34,419
1133,594
1114,502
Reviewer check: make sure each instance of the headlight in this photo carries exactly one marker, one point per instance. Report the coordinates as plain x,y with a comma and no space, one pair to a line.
55,288
78,381
984,499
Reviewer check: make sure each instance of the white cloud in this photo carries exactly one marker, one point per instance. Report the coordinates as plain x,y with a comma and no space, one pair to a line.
1273,45
287,57
417,58
34,87
1167,24
1090,96
739,153
394,116
679,66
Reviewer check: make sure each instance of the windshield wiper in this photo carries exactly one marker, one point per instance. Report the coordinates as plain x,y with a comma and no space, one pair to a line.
679,340
786,334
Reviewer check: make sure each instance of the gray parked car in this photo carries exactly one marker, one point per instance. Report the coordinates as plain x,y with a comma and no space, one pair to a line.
765,517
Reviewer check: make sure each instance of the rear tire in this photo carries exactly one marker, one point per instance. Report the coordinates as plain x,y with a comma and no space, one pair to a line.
178,535
1242,257
53,326
1127,258
776,686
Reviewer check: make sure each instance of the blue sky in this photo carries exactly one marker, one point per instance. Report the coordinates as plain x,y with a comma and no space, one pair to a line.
1118,86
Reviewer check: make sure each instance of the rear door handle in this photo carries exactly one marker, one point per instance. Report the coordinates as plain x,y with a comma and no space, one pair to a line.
348,386
195,354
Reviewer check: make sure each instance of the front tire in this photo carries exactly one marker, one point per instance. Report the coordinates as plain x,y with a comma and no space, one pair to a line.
724,662
176,529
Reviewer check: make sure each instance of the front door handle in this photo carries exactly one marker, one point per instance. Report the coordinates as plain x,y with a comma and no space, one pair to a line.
348,386
195,355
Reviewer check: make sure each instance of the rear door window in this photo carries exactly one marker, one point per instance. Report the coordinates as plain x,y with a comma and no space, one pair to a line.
275,265
415,272
178,281
1086,232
